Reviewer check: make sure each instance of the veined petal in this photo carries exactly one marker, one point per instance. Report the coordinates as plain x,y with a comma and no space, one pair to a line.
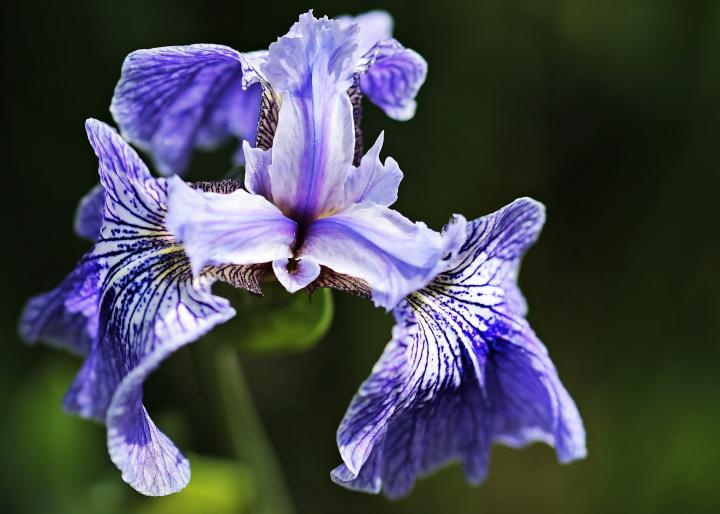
312,69
393,78
172,99
89,213
149,304
463,370
379,246
237,228
374,181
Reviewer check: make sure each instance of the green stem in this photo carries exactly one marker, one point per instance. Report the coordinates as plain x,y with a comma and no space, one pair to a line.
248,439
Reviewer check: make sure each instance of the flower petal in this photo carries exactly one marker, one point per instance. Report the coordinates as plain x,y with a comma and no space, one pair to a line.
257,177
150,304
374,181
172,99
463,370
304,272
89,213
374,26
379,246
312,69
394,78
236,228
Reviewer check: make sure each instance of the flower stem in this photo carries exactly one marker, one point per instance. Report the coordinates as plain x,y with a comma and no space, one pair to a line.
248,439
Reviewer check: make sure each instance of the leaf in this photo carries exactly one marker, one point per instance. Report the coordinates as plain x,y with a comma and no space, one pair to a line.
277,322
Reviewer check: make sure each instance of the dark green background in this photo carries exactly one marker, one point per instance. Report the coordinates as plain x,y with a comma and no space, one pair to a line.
606,111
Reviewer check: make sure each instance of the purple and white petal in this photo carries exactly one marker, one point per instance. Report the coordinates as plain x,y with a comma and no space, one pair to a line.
150,305
236,228
89,213
394,78
173,99
313,146
463,371
379,246
374,181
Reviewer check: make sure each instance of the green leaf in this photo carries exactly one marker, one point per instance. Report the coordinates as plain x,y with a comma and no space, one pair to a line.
277,321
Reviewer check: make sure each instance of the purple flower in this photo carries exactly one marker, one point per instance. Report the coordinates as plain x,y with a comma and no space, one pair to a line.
337,213
463,370
170,100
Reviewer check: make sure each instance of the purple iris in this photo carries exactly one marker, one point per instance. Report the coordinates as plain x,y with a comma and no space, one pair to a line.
463,369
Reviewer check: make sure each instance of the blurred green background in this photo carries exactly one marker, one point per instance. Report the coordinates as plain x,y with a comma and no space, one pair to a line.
606,111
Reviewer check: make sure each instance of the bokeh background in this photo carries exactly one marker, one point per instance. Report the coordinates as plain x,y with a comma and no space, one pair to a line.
608,112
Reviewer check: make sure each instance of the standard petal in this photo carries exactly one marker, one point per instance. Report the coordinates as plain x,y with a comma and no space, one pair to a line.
89,213
374,181
374,26
463,370
313,146
379,246
236,228
172,99
394,78
150,304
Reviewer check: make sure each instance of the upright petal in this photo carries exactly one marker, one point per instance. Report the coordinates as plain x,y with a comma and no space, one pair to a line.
374,26
312,69
237,228
374,181
393,78
172,99
149,305
379,246
462,371
257,176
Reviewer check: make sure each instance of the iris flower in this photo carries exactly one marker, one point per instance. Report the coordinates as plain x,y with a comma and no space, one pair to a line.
463,369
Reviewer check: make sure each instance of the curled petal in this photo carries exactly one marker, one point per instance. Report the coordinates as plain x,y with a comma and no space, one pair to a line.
172,99
394,78
379,246
295,275
237,228
462,371
374,181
